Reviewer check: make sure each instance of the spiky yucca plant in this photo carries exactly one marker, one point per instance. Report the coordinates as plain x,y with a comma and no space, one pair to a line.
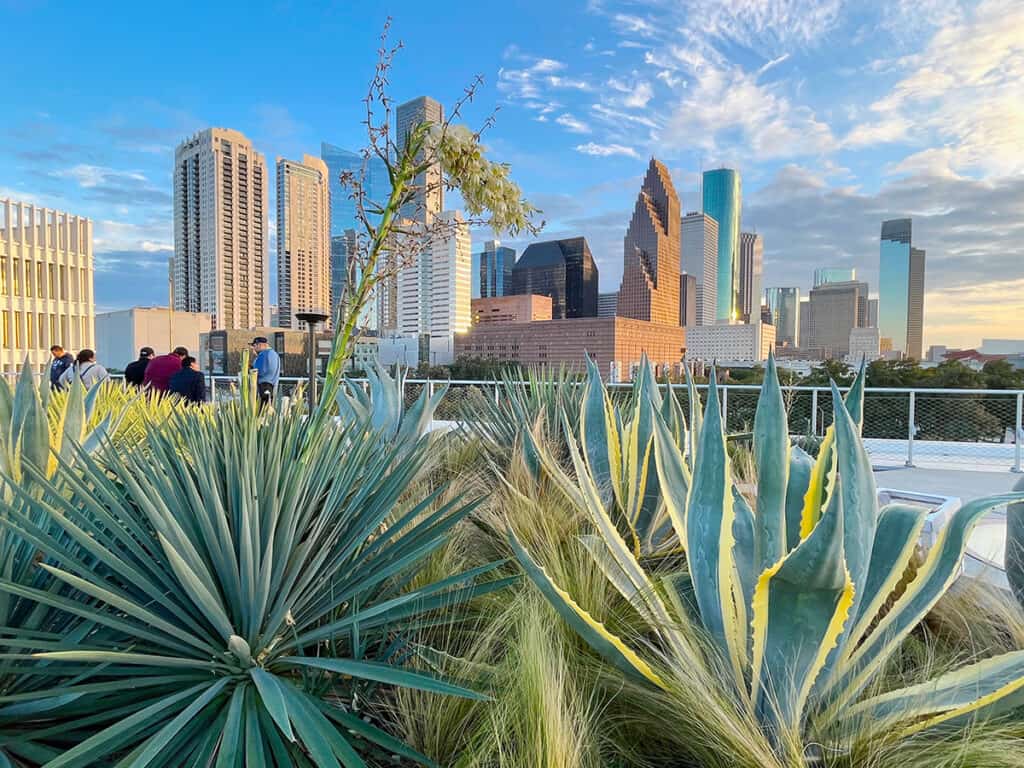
243,581
381,405
790,593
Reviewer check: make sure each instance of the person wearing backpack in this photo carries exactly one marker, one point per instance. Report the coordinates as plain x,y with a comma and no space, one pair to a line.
88,370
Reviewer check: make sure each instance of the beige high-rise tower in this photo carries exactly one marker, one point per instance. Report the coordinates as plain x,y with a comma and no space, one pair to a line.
303,238
46,293
220,229
429,197
650,274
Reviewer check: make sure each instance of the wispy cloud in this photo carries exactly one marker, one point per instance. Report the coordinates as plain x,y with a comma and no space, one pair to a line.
606,150
572,124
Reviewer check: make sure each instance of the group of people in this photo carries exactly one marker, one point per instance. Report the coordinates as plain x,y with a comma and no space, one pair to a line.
176,372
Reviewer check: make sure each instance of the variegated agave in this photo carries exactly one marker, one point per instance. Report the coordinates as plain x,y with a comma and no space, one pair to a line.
797,595
382,405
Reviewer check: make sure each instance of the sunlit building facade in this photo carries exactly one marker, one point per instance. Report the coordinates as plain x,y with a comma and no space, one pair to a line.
651,252
751,269
303,238
428,197
46,284
221,261
723,198
901,288
699,244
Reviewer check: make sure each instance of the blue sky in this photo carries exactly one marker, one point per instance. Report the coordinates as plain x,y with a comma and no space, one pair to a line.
838,115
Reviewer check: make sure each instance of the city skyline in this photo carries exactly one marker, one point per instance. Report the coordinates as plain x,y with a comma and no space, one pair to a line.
826,150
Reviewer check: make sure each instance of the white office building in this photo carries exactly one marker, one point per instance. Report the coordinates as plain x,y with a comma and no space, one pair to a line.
121,334
865,344
699,257
46,284
303,238
732,343
220,229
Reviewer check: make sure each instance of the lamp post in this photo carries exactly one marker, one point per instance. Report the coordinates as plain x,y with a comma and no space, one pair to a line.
311,317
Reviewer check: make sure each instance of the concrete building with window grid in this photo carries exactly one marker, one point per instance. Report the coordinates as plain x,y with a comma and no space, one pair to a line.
835,310
428,197
46,284
699,244
303,239
221,262
607,304
511,309
751,269
739,342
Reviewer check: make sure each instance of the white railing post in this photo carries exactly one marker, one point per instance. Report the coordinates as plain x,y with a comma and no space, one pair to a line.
911,429
497,393
725,408
1018,433
213,388
814,412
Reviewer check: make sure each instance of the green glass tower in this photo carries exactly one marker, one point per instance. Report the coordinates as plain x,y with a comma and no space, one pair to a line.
723,196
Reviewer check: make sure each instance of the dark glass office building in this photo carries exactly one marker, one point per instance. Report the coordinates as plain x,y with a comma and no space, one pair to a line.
562,269
492,271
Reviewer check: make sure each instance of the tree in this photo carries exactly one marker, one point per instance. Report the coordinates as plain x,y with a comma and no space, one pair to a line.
386,243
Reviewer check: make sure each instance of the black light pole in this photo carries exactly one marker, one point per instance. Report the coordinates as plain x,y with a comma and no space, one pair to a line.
311,318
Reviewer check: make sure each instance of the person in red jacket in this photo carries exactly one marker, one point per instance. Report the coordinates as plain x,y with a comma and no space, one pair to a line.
161,368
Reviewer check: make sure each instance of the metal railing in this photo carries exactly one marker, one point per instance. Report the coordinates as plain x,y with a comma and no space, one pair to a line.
980,429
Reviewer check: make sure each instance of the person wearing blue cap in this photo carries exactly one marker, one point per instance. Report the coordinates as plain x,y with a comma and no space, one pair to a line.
267,365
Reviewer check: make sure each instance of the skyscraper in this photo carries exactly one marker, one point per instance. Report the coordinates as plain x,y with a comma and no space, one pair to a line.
345,273
303,238
563,270
700,259
428,200
836,309
723,197
784,312
607,304
46,284
901,288
651,252
220,229
687,300
751,268
824,275
492,270
376,185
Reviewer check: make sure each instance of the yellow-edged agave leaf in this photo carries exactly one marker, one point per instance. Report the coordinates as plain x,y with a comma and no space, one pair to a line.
934,577
984,689
696,416
710,539
674,477
600,443
1014,558
597,636
854,405
899,526
672,413
801,466
771,455
860,497
800,607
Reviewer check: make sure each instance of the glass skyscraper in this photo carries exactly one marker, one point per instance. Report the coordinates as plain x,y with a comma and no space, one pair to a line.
492,270
723,196
900,288
563,270
784,310
344,224
823,275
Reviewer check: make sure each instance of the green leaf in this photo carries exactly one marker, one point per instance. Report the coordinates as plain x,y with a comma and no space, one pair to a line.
273,699
383,673
169,731
771,455
800,467
229,753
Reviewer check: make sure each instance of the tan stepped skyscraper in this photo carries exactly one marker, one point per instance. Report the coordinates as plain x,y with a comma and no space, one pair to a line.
650,274
220,229
429,198
46,294
303,238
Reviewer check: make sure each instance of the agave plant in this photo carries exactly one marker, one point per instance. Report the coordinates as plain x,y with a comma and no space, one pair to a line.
381,405
245,581
797,595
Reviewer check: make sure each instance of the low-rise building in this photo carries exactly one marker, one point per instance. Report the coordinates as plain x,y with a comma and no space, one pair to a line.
615,343
865,344
221,351
511,309
734,342
121,334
